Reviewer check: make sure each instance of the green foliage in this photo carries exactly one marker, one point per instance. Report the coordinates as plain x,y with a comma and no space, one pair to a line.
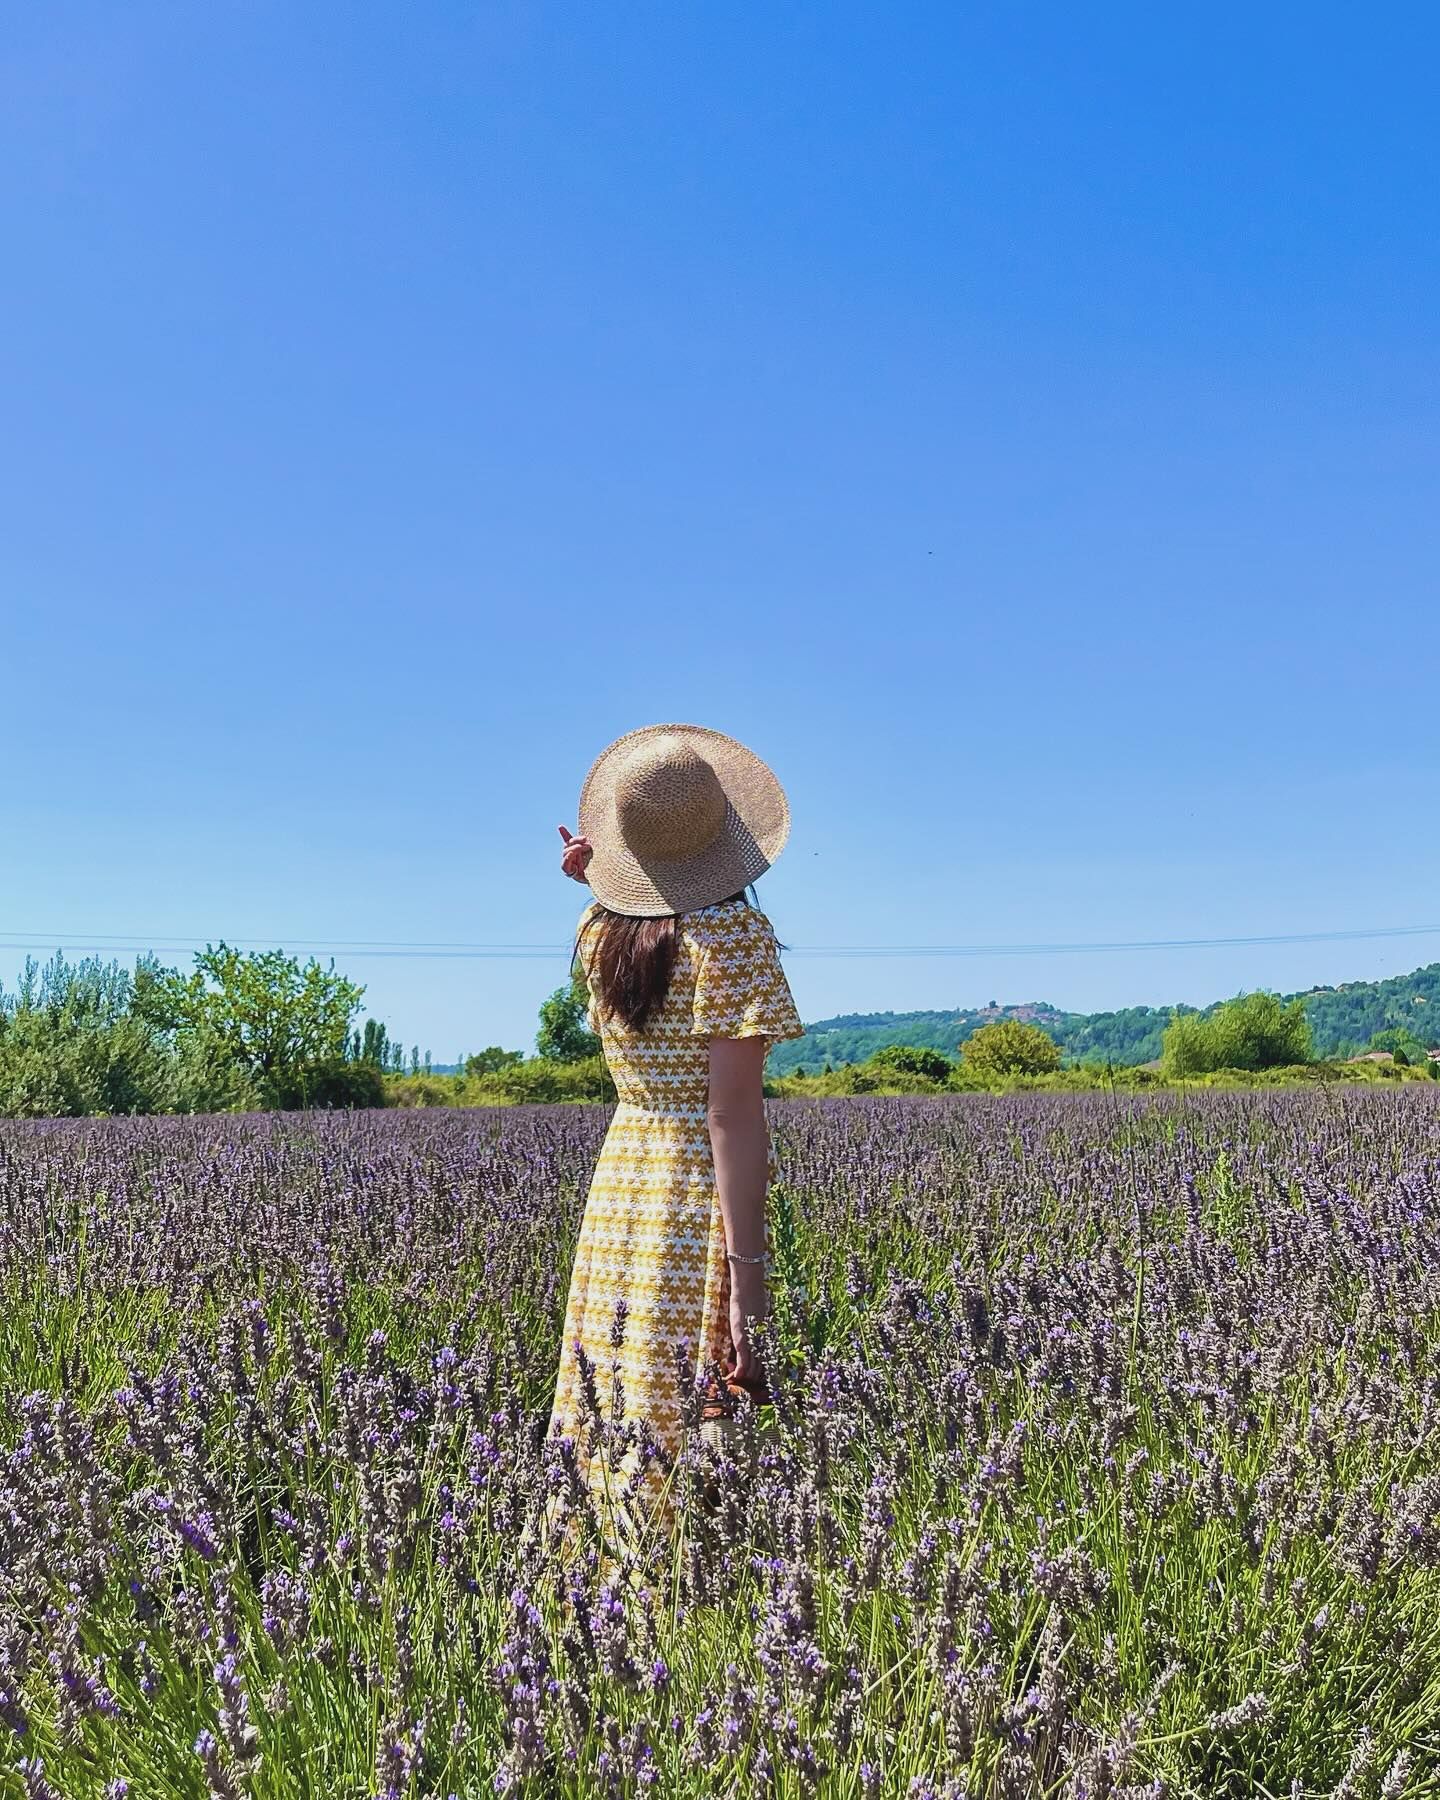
271,1016
864,1078
373,1046
332,1082
240,1032
1253,1031
1010,1047
1402,1044
537,1081
208,1079
534,1081
1342,1020
491,1060
1348,1017
429,1090
910,1059
72,1042
565,1035
1129,1036
1190,1048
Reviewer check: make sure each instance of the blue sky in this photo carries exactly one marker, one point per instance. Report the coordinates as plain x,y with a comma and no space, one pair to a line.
1019,423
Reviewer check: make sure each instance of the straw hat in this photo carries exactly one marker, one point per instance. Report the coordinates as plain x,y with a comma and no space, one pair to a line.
679,818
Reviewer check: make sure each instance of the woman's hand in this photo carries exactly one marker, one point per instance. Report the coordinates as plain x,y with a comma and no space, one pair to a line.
749,1302
575,857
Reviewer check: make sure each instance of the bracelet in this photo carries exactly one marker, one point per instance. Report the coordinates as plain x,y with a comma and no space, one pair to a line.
735,1256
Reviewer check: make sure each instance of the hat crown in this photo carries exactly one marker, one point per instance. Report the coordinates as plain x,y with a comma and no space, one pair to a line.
669,802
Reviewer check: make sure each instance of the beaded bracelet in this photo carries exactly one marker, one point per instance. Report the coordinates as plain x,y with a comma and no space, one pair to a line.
735,1256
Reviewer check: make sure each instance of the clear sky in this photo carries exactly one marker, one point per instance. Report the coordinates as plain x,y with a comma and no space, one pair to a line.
1020,423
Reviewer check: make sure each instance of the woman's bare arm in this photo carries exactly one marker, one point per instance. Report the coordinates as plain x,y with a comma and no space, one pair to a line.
740,1142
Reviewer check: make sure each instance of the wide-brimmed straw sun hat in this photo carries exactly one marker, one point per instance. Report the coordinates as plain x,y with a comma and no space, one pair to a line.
679,817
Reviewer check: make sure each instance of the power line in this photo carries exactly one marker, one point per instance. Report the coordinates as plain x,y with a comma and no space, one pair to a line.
422,951
118,945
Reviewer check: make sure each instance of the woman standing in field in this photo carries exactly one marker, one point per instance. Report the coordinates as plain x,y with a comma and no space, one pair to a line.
687,994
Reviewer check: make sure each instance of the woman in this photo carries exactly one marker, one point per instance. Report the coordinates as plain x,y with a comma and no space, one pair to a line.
687,994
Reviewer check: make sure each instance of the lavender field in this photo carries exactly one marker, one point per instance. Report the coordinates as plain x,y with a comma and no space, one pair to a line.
1105,1461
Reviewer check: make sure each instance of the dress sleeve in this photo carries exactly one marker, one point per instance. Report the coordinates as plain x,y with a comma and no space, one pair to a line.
740,988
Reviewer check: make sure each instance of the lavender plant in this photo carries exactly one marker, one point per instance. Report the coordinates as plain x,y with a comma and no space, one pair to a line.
1104,1460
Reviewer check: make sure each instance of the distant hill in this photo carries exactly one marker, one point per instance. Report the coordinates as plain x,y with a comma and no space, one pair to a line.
1342,1020
1345,1018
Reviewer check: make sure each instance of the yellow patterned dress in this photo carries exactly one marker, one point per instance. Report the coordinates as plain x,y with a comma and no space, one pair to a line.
652,1241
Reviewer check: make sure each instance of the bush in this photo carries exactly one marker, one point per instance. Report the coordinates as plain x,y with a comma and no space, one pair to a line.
537,1081
427,1090
331,1082
1253,1031
909,1059
72,1042
1009,1047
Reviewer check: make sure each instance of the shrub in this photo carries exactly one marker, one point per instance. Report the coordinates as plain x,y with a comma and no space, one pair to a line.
331,1082
1253,1031
909,1059
425,1090
1009,1047
538,1080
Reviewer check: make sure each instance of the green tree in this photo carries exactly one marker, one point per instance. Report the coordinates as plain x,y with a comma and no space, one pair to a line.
564,1035
373,1046
1190,1046
908,1059
490,1061
1010,1047
72,1042
265,1014
1252,1031
1402,1044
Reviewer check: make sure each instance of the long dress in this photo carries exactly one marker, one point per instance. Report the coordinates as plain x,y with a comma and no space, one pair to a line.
652,1240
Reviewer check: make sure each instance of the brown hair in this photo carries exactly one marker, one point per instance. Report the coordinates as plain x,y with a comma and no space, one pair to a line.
631,962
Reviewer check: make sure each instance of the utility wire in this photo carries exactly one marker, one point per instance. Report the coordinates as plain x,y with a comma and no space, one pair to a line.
419,951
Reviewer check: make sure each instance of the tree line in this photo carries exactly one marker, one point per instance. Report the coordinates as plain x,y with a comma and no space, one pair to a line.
1253,1035
1401,1012
263,1031
257,1031
239,1032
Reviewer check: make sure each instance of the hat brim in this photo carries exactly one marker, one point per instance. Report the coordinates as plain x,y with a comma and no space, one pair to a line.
757,823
